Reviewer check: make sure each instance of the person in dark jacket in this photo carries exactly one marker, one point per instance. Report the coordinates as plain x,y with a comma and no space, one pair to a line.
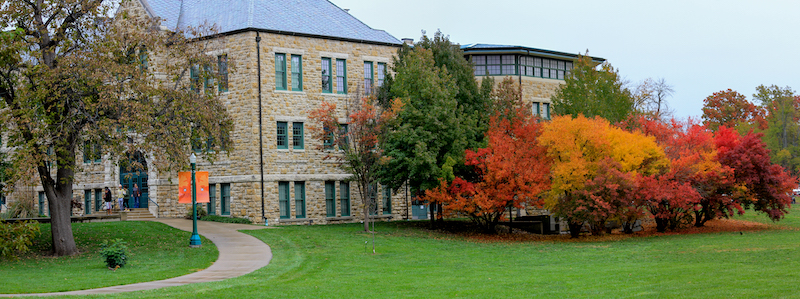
107,200
136,194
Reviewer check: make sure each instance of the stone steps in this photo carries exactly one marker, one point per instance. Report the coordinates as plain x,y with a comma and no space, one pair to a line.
140,214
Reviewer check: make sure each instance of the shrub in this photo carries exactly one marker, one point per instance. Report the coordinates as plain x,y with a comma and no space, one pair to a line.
201,213
115,253
15,238
226,219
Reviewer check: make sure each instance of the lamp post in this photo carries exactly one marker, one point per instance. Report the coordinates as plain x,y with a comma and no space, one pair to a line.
194,240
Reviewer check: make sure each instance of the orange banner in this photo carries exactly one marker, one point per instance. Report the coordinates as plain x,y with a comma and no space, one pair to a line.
185,186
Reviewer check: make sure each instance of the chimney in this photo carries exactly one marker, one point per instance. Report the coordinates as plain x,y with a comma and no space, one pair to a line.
408,41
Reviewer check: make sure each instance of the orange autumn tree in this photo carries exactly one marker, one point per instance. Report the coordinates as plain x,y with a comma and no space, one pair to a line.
354,143
511,172
594,170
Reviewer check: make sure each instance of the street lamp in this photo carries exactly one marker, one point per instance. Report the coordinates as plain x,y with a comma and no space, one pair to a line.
194,241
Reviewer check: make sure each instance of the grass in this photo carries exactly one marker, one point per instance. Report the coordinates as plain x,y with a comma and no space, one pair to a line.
334,262
156,251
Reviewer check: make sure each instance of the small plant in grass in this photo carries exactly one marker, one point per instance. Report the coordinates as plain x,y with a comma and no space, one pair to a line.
16,238
115,253
201,213
226,219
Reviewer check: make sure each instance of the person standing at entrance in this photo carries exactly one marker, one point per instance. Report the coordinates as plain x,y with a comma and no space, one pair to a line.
121,193
107,200
136,195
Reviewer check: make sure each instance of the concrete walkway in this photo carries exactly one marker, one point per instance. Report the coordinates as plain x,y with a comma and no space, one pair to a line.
239,254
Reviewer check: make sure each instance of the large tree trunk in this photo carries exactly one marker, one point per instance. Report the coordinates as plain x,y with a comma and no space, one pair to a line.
59,198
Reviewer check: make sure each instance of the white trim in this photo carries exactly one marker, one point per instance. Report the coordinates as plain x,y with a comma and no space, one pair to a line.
376,59
333,55
281,50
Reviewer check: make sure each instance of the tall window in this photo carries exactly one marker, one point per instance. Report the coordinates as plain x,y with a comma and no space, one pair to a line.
194,78
225,202
283,200
222,66
345,142
367,77
91,152
300,199
211,206
87,200
344,198
330,199
546,110
282,135
326,75
297,73
98,199
143,59
280,71
41,203
535,109
381,73
341,76
297,135
387,200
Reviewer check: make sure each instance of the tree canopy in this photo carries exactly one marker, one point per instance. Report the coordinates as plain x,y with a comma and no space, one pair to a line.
593,92
70,75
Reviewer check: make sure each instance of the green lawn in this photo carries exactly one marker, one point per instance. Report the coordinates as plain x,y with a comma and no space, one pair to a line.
156,251
332,262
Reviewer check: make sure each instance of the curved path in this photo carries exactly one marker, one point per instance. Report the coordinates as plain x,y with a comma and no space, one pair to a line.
239,254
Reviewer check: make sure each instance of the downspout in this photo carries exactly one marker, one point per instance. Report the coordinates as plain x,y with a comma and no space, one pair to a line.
260,126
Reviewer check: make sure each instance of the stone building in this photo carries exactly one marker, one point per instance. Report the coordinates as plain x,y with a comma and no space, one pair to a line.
538,71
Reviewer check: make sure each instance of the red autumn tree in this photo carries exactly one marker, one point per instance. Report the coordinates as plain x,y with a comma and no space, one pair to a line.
512,171
354,144
764,185
730,108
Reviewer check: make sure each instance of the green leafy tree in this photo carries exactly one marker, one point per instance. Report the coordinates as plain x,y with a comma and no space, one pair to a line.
444,113
70,75
593,92
783,129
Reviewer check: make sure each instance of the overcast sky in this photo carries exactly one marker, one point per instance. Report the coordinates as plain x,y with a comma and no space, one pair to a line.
698,47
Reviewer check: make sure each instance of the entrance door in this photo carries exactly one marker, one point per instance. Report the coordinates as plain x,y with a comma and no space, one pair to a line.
134,171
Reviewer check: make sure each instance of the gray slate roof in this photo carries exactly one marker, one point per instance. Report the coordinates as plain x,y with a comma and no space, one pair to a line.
304,17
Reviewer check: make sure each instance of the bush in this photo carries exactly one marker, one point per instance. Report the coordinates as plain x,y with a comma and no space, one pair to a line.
201,213
216,218
115,253
15,238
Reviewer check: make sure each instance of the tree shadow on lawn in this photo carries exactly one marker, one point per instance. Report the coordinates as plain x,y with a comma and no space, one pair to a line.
464,229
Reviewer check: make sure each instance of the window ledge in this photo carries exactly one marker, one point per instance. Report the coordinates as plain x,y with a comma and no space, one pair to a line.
297,220
339,218
381,216
290,91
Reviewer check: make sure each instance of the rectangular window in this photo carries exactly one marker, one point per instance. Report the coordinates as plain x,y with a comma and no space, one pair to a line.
280,71
41,203
327,143
282,135
209,80
341,76
194,78
387,200
211,206
98,199
546,110
300,199
535,109
367,77
343,141
326,75
225,196
283,200
143,59
222,66
381,73
344,198
297,73
87,201
297,135
330,198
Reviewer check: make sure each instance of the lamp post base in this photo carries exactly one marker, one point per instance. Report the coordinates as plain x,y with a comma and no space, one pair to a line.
194,241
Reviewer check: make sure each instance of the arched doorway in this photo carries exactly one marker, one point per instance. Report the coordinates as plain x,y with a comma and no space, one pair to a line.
133,170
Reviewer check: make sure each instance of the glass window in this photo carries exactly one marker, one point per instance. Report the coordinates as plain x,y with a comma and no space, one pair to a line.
387,200
341,76
300,199
546,110
535,109
330,198
280,71
381,73
41,203
297,135
367,77
225,196
98,199
194,78
326,75
283,200
282,135
87,201
222,66
343,141
297,73
344,197
211,206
